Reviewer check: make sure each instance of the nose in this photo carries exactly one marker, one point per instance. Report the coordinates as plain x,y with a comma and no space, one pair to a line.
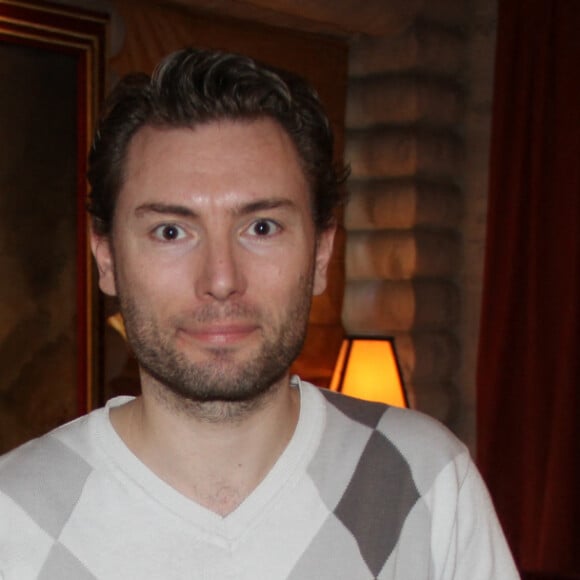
221,274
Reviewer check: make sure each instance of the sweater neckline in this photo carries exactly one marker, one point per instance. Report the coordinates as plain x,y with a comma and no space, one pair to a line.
286,472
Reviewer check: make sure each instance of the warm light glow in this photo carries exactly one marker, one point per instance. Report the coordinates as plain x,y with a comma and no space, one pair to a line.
116,321
371,372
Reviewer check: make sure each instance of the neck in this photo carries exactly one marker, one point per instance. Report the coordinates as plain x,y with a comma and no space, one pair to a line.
215,453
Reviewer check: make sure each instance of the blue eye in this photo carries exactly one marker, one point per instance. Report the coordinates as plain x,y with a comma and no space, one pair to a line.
168,232
264,228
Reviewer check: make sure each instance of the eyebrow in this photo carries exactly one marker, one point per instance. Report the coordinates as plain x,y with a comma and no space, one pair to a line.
184,211
263,204
165,209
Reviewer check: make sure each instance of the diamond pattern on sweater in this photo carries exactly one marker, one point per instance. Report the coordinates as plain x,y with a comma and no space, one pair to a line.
333,538
363,412
62,564
376,514
48,462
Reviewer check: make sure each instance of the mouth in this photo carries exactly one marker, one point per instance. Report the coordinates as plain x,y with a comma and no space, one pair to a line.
220,334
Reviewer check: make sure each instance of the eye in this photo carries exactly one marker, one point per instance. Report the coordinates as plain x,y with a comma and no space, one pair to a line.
168,232
264,227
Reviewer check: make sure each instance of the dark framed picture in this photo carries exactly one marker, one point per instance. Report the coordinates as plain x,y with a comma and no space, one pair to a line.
51,78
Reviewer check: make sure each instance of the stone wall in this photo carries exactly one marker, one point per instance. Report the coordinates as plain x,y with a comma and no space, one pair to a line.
405,144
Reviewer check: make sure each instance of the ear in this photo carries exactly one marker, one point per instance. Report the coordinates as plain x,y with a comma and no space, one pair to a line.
324,245
103,253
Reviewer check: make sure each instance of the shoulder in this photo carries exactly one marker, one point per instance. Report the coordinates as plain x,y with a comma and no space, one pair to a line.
401,441
41,483
70,448
50,459
401,476
405,428
56,465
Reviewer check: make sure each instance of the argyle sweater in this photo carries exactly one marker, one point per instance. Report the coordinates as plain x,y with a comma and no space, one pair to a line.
362,491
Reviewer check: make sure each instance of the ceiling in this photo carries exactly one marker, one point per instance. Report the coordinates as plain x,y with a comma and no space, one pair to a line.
346,18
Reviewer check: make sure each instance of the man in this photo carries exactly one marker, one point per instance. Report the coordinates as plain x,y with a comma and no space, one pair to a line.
213,191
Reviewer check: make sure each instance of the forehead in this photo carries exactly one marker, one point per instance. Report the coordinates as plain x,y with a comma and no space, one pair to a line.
213,161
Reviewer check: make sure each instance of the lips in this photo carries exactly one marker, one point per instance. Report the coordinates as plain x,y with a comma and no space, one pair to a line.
220,334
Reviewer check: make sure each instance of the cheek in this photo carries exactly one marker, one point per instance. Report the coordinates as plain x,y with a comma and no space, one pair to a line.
281,285
148,285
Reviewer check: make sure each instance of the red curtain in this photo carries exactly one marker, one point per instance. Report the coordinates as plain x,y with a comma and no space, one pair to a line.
529,371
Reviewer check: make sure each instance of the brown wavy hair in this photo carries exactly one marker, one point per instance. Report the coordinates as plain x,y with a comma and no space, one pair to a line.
194,86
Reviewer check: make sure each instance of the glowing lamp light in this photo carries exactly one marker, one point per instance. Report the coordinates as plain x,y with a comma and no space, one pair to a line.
367,368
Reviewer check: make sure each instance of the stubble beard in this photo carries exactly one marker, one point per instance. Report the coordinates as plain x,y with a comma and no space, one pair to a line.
219,387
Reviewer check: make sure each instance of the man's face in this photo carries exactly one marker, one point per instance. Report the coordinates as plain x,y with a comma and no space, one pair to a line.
214,257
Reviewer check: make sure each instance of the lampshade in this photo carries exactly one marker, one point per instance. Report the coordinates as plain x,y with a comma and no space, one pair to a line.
367,368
